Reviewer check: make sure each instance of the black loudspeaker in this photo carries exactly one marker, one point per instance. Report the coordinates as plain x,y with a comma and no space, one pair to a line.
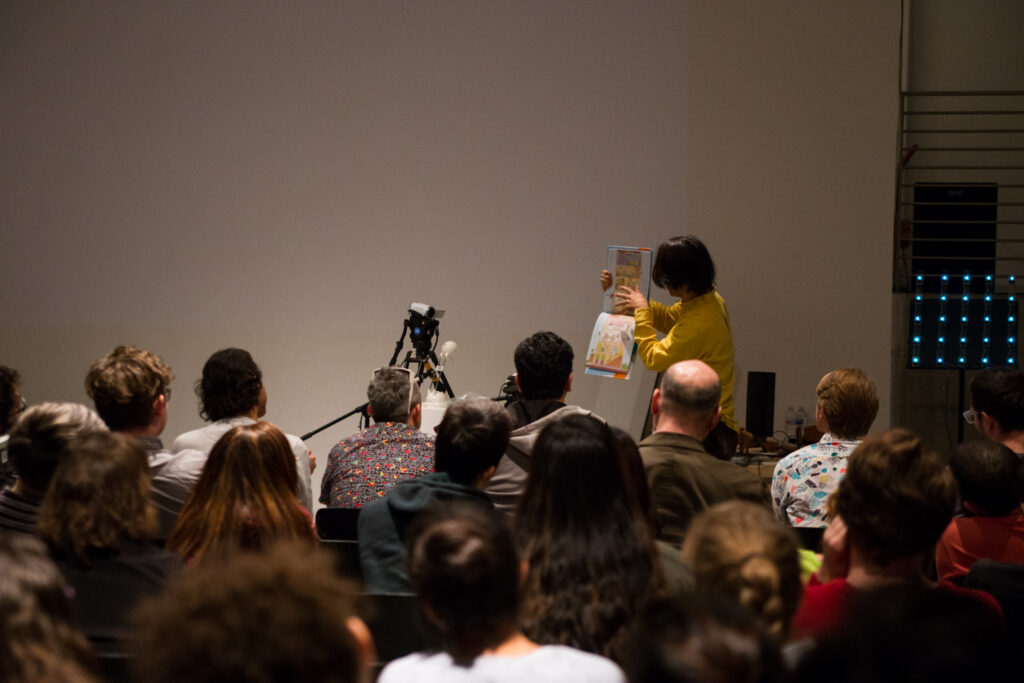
760,404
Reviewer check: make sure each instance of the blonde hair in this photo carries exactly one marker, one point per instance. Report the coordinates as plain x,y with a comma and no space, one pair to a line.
740,550
849,400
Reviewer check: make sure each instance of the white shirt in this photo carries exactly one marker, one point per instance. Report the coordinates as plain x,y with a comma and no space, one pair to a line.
548,663
203,440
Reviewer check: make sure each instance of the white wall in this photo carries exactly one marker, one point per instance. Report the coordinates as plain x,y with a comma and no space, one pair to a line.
289,177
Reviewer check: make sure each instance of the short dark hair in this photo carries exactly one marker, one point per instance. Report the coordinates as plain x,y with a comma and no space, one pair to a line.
392,394
896,498
278,615
9,381
230,385
99,496
463,566
985,472
999,393
123,385
543,364
684,262
42,435
472,436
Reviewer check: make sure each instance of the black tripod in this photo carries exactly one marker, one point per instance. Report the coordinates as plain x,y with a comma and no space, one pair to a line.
422,354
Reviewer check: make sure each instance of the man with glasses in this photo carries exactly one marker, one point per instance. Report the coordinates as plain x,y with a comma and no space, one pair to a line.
365,466
997,407
131,388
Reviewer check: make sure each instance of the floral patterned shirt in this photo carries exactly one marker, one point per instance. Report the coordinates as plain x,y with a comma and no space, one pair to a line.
365,466
805,478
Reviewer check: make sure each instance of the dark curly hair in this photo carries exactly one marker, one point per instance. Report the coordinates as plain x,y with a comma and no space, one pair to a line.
279,615
230,385
543,365
896,498
9,381
589,550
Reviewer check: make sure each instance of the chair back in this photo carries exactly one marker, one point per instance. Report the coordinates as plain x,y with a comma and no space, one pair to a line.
338,523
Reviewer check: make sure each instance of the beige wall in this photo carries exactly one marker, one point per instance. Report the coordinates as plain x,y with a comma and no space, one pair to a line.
289,177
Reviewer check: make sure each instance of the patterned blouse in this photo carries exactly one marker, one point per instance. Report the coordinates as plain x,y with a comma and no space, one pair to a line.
805,478
365,466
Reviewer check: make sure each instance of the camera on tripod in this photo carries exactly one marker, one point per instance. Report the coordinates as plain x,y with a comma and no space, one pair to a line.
422,326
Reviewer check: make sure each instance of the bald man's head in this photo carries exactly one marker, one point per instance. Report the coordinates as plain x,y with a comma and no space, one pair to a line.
690,389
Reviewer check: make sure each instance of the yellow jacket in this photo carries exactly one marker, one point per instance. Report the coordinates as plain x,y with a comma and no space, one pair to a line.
697,329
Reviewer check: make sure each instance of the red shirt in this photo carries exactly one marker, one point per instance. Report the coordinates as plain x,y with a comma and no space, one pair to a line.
824,604
969,539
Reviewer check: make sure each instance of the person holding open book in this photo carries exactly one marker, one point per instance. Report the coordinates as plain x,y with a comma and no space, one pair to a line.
695,327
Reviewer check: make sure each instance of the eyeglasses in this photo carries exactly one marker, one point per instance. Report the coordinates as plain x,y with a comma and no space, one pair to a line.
412,380
22,405
970,416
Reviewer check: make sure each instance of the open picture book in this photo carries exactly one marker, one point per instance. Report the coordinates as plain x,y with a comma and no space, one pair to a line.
612,346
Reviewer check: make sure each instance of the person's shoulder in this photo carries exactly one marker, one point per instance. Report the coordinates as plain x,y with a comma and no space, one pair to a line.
418,667
564,663
186,465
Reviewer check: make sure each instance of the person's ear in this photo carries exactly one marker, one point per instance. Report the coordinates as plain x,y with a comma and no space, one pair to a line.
484,478
365,650
656,402
519,386
369,410
715,419
160,406
568,384
416,415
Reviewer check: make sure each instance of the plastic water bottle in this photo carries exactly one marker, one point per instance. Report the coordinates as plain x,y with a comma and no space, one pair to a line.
790,418
801,419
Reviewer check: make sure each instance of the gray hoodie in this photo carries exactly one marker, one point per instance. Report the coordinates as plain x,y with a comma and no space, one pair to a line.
509,479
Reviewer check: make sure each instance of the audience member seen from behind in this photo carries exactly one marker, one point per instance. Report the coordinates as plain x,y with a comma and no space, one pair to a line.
898,634
804,479
739,550
684,478
244,499
471,439
695,328
701,638
891,507
231,393
274,617
997,407
365,466
677,574
991,526
39,635
37,444
11,405
544,378
131,388
592,562
1004,580
97,519
464,568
